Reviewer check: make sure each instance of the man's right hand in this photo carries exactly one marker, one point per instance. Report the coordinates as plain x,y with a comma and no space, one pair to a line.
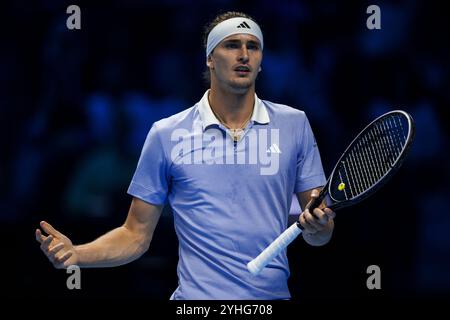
56,246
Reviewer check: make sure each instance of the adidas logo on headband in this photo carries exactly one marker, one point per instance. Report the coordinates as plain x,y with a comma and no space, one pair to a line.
229,27
244,25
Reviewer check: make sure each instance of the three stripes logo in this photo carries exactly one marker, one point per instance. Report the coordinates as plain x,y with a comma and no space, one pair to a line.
244,25
273,149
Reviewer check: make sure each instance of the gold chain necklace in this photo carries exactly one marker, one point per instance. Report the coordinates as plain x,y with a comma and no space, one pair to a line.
237,133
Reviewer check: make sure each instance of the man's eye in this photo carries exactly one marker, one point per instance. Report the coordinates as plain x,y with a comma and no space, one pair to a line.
231,45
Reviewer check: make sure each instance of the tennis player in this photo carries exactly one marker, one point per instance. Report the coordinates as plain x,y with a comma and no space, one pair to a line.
229,167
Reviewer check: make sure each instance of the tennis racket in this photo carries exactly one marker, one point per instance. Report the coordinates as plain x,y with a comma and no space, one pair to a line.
367,164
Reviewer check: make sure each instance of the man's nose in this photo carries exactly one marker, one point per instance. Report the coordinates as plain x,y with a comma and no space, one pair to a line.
244,54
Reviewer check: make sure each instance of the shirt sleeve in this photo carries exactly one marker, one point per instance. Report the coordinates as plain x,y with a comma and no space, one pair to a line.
150,181
309,165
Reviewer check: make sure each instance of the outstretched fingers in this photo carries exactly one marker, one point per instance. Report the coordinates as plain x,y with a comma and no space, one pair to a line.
46,243
47,227
51,254
39,236
60,262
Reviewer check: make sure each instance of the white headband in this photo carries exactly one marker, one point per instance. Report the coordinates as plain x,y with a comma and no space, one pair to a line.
232,26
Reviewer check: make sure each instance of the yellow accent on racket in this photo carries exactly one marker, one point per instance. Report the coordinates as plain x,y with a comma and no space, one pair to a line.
341,186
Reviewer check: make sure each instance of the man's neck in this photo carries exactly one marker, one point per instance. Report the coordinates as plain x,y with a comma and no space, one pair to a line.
232,108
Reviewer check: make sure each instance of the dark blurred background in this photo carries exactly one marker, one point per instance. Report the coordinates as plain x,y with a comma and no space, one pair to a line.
76,106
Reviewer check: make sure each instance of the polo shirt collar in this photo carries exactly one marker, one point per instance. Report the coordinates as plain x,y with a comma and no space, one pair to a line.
208,118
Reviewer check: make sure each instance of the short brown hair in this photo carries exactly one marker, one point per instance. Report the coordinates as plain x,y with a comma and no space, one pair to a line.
218,19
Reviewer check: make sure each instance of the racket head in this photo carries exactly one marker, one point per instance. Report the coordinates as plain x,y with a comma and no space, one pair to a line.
371,159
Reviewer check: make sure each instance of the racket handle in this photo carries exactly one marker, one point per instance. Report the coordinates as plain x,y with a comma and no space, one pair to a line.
279,244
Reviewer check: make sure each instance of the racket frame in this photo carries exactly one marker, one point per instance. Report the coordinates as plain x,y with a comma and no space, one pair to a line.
336,205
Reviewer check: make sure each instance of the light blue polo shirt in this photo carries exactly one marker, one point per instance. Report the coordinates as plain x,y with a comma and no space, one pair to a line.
229,199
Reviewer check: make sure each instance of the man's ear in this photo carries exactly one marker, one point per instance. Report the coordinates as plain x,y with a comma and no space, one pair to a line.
209,62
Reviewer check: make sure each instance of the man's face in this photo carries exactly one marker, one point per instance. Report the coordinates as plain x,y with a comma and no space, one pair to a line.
235,62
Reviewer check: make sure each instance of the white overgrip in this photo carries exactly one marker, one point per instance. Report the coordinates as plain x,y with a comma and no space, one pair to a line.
279,244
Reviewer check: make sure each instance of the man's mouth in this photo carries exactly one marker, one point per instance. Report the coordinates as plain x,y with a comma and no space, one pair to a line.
242,70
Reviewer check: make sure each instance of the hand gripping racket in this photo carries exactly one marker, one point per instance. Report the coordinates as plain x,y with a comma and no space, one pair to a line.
367,164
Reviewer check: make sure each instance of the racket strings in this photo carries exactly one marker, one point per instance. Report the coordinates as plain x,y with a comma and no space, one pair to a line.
372,156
